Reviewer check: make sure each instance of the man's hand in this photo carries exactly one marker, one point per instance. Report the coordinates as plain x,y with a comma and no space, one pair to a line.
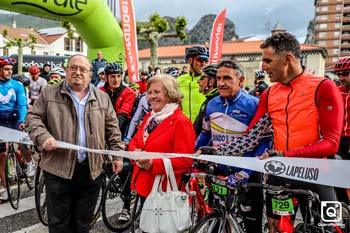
207,150
117,166
237,179
21,126
271,153
50,144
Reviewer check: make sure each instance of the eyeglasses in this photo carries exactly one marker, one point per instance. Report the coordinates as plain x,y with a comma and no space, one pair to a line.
76,68
345,73
200,60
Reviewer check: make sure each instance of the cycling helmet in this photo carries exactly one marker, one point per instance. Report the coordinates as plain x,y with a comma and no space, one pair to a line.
200,51
22,78
173,71
5,60
53,81
211,70
59,71
34,70
113,68
259,73
343,63
135,86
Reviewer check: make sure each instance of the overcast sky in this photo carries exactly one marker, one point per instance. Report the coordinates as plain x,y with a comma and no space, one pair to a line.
251,17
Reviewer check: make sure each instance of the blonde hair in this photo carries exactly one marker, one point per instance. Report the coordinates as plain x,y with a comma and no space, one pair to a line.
170,86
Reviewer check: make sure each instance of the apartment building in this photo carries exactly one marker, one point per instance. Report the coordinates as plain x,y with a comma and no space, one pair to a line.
332,28
112,4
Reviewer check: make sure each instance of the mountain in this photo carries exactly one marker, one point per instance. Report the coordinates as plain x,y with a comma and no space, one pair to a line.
199,34
27,21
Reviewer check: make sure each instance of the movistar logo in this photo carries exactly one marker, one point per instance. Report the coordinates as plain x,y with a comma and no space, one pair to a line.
72,6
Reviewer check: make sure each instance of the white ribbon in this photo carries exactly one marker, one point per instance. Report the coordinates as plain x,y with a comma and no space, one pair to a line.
320,171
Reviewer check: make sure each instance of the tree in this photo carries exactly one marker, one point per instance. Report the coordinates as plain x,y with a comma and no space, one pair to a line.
28,41
156,29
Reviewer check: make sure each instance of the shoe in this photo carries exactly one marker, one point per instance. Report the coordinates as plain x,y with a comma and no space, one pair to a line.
4,195
124,215
30,170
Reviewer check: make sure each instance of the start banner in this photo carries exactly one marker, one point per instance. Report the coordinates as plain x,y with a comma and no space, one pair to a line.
320,171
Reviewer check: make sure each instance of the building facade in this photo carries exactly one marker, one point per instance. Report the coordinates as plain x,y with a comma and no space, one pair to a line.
113,6
332,28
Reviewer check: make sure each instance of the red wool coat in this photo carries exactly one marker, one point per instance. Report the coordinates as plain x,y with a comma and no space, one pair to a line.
174,134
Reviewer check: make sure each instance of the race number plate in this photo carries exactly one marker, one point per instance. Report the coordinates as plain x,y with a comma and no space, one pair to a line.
282,207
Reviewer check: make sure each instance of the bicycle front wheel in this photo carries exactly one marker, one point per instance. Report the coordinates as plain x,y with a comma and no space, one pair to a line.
12,176
40,196
212,223
112,205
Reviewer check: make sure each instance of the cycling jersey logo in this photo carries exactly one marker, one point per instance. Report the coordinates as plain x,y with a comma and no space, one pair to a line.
274,167
5,99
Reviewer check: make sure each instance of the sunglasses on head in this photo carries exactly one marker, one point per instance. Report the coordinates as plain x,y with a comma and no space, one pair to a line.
344,73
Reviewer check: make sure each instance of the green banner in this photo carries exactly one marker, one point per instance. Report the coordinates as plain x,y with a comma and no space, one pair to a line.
92,19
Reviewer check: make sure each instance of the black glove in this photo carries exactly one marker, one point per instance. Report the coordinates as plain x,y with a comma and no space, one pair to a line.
208,150
275,153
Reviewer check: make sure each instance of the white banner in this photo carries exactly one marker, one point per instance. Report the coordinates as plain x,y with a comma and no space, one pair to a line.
320,171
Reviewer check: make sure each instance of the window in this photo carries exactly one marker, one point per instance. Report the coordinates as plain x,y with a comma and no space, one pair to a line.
324,1
337,25
323,25
337,16
323,17
68,44
335,42
335,51
33,52
334,59
336,34
322,34
78,44
321,43
45,53
324,8
338,7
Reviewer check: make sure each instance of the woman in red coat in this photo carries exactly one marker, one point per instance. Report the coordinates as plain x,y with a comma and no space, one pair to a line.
166,129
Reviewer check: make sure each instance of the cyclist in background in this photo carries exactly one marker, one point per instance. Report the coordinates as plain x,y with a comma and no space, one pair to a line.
260,85
342,69
197,57
37,83
207,86
122,97
13,109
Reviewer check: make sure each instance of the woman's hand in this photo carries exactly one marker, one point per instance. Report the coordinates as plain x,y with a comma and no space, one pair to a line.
144,164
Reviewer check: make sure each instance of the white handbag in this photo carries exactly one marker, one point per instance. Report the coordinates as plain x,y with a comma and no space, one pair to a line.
166,212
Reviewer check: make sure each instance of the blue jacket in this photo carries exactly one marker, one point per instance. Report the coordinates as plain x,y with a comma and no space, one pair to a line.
228,118
13,98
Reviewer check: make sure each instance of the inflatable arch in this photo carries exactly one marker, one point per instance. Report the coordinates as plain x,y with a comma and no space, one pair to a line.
92,19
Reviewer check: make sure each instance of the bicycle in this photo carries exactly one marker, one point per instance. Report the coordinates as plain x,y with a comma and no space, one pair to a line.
15,175
312,211
113,198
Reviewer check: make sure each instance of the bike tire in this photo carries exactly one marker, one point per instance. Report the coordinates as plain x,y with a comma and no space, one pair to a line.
98,208
12,177
345,218
112,206
136,214
40,196
212,223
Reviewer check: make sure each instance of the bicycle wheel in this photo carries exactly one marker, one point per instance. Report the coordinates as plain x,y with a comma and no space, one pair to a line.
212,223
135,215
12,176
112,205
98,207
345,227
40,196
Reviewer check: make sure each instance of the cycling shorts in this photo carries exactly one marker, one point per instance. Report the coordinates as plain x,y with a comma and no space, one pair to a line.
9,120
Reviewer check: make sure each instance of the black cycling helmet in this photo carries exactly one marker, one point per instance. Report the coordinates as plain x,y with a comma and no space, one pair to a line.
113,68
211,70
200,51
22,78
173,71
343,63
260,74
